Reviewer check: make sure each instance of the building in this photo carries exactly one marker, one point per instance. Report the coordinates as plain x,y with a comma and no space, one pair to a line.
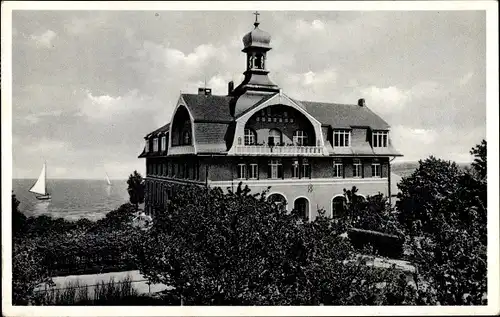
307,151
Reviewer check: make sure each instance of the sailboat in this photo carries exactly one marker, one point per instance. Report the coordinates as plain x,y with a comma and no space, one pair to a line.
40,187
107,180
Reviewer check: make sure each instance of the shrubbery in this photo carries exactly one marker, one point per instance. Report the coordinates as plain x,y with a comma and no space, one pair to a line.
44,247
240,249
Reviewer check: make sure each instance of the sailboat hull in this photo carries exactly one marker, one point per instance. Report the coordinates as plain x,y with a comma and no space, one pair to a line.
43,197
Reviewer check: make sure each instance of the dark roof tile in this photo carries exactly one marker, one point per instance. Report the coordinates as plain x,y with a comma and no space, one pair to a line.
208,107
343,115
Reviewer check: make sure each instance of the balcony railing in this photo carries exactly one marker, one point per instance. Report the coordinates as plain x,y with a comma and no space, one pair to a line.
279,150
183,149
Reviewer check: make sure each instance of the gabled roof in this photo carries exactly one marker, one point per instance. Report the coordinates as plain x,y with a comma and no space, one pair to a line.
211,108
343,115
158,131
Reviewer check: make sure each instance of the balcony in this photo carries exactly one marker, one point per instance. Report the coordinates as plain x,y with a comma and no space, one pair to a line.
179,150
266,150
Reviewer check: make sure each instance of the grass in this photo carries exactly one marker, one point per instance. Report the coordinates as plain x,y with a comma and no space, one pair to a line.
110,293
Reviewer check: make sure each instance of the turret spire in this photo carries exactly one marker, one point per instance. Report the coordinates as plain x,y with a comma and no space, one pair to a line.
256,23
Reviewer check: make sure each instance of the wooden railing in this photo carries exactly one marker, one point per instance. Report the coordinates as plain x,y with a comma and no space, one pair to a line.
279,150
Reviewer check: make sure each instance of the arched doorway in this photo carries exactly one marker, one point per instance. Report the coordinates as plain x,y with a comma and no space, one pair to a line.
301,205
338,206
278,200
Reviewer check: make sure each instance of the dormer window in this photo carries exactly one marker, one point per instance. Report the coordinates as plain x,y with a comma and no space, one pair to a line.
250,138
147,146
155,145
164,143
379,138
341,138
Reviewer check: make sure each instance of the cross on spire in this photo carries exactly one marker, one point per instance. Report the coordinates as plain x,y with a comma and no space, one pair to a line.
256,23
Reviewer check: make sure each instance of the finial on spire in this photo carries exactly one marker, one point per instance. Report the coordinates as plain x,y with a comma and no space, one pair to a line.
256,23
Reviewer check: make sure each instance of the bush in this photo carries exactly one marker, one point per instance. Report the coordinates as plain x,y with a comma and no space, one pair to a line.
239,249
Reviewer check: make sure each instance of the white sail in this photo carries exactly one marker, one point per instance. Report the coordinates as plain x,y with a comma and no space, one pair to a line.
107,179
39,187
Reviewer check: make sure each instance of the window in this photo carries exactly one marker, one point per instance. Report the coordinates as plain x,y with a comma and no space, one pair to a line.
301,205
295,169
379,138
357,171
259,61
306,169
275,169
338,206
147,146
186,138
341,138
163,143
254,171
300,138
274,137
155,145
337,169
376,172
242,171
250,138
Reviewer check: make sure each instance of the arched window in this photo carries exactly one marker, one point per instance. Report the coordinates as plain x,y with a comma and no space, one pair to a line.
300,138
274,137
250,137
338,206
186,138
278,200
259,61
301,205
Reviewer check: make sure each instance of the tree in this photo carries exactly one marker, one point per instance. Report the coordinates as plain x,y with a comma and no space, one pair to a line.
424,191
479,164
18,218
136,189
235,248
443,211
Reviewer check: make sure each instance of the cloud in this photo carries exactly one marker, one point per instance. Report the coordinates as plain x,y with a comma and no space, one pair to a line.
45,146
385,99
106,107
45,39
36,117
183,64
466,78
304,27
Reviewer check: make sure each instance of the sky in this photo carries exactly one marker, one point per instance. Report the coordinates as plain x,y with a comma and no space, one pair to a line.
87,86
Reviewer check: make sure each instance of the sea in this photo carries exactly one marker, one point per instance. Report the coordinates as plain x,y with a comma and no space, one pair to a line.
72,199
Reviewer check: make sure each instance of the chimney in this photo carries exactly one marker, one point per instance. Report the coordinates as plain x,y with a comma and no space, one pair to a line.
205,91
361,102
230,87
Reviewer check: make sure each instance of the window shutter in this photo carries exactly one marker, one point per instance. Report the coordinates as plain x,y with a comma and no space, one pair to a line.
269,171
280,171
